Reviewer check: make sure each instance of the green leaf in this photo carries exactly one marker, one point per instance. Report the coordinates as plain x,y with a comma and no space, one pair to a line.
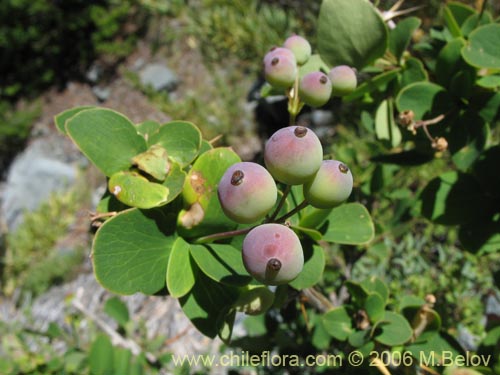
311,233
314,64
101,356
180,274
400,36
174,181
181,139
385,125
413,71
430,352
154,162
225,325
107,138
468,138
61,118
205,303
449,61
117,310
460,11
222,263
481,236
357,291
350,32
350,224
373,84
392,330
135,190
314,264
204,215
131,250
374,284
121,360
147,128
489,82
314,217
425,99
453,198
482,49
474,20
337,323
374,307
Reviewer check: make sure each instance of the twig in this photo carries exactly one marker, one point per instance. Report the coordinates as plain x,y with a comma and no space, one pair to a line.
292,212
281,203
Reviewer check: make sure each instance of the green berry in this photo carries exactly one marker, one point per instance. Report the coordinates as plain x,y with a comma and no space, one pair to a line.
343,79
300,48
247,192
331,185
280,68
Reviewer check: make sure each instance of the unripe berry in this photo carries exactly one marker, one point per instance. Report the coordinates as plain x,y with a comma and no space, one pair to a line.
330,187
300,48
278,51
343,79
247,192
280,68
293,155
272,254
315,89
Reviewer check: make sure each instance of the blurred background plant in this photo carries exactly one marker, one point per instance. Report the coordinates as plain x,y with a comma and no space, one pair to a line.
217,47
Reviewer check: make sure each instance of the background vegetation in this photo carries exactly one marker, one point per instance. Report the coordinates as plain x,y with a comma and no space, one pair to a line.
47,43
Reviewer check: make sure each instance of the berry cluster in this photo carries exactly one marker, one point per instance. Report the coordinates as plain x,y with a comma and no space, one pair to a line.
282,71
272,252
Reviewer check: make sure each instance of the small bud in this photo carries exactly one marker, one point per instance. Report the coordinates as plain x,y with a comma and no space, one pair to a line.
440,144
430,299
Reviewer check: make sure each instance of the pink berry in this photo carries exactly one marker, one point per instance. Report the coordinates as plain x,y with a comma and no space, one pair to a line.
293,155
247,192
315,89
272,254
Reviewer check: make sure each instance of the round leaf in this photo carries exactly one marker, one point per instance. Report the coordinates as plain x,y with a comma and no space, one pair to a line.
394,330
106,137
61,118
350,32
181,139
130,251
350,224
337,323
425,99
482,49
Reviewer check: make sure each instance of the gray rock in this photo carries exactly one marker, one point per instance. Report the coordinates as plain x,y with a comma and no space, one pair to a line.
159,77
466,339
101,93
94,73
33,176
